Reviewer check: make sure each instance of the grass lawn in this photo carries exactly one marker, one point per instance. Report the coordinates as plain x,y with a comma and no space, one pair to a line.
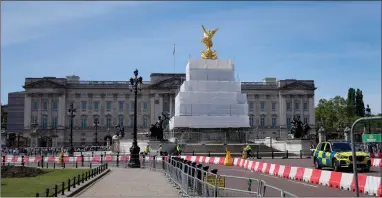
29,186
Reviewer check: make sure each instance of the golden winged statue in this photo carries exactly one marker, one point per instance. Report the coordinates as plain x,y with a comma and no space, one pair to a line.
207,40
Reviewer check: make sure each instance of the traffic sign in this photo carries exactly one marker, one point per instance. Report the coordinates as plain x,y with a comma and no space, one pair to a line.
368,138
212,180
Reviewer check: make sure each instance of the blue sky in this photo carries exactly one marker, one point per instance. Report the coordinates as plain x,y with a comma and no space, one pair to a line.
337,44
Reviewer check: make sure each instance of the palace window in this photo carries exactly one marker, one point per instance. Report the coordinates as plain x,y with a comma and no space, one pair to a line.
273,106
288,106
132,107
145,106
120,106
305,106
262,106
145,122
54,122
44,123
273,122
251,121
296,106
262,122
131,122
251,106
305,120
121,121
54,106
45,105
166,106
96,106
108,106
83,106
83,123
289,120
108,122
35,106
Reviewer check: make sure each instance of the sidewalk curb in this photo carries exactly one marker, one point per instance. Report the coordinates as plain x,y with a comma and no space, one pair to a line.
89,183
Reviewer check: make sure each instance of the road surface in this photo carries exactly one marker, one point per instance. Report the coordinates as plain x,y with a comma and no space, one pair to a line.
300,189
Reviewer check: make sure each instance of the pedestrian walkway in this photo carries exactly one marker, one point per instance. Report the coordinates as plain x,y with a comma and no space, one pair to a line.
125,182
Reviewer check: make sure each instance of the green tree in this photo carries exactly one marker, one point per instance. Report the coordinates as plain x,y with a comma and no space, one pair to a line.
4,118
350,103
359,104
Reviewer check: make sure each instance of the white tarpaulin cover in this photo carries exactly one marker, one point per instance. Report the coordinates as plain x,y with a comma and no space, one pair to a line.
210,97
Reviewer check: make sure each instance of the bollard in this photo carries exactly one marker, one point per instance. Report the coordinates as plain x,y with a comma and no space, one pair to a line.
76,165
74,181
69,185
54,165
273,156
79,179
287,154
101,158
117,160
83,178
3,160
193,153
37,194
47,192
300,154
55,190
209,153
47,165
22,160
63,188
82,160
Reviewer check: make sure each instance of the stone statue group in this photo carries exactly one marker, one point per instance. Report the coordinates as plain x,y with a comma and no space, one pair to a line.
158,128
299,129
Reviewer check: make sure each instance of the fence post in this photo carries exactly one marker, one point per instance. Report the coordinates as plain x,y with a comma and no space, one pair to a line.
47,192
69,185
209,153
42,161
117,160
4,160
287,154
90,165
47,165
79,179
74,181
54,165
300,154
76,164
55,190
37,194
82,160
193,153
101,158
83,178
63,188
273,156
22,160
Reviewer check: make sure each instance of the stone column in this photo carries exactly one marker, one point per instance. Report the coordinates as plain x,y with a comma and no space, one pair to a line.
302,109
50,111
321,134
170,101
152,109
160,105
27,111
54,142
312,117
61,111
39,119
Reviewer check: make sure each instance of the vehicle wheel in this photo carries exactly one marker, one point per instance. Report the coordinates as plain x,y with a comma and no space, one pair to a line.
317,164
335,166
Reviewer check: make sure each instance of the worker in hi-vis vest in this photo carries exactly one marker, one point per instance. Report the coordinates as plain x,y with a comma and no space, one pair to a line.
178,149
61,158
248,150
160,150
146,151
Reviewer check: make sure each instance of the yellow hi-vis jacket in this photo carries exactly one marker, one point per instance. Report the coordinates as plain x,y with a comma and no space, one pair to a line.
247,148
178,148
160,148
147,149
61,158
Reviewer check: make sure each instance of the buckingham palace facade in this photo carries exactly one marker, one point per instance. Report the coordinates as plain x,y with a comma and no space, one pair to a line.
272,105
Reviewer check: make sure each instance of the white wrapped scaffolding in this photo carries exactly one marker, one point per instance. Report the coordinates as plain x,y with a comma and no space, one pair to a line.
210,97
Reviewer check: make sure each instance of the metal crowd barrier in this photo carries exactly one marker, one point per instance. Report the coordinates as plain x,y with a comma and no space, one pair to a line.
195,180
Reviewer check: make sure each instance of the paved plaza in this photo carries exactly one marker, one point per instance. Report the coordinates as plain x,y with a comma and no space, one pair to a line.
125,182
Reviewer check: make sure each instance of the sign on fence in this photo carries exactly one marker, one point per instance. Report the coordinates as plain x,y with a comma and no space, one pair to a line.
212,181
367,138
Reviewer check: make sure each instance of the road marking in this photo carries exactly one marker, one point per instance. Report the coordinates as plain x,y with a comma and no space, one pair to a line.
297,182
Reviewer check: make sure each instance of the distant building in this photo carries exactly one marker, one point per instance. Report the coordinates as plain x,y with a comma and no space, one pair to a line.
46,100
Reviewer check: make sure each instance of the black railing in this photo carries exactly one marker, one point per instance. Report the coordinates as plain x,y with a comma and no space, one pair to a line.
72,182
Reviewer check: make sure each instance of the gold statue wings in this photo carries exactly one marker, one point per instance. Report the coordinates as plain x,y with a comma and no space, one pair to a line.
209,33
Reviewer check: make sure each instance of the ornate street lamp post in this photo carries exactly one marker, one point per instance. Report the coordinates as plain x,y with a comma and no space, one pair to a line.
136,83
34,126
368,114
71,111
96,123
